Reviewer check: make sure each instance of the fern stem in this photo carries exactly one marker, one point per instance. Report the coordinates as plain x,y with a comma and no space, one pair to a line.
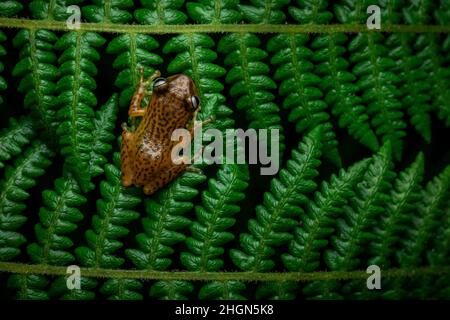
40,269
220,28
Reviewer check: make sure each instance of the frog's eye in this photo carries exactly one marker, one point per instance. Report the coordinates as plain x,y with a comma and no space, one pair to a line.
195,102
159,82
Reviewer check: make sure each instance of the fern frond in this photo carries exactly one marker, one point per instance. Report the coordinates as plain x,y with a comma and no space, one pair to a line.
205,12
160,12
434,200
104,125
213,218
171,290
310,11
300,87
29,287
114,211
250,82
165,217
58,218
133,51
376,82
428,48
59,289
338,84
317,226
440,254
18,179
38,73
354,230
365,208
399,209
222,290
318,221
264,11
76,101
414,86
122,289
3,84
14,138
9,8
276,216
51,9
108,11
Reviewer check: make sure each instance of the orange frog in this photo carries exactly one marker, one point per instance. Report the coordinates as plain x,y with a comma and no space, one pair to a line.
146,152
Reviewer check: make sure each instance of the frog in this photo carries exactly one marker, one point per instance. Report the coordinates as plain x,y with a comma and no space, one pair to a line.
145,152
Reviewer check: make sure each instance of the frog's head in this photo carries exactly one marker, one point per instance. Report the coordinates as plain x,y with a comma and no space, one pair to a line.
180,90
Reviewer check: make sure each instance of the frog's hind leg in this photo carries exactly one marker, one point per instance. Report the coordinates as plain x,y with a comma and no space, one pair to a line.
126,158
136,109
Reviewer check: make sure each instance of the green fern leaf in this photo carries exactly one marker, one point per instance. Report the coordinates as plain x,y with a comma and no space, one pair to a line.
14,138
317,222
376,82
299,86
165,218
3,84
430,212
58,218
108,11
76,101
133,51
160,12
404,196
264,11
104,125
17,180
50,9
204,11
251,84
281,205
354,229
38,74
9,8
213,218
29,287
114,211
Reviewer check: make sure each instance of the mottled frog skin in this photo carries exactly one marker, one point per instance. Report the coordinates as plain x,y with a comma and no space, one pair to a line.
146,152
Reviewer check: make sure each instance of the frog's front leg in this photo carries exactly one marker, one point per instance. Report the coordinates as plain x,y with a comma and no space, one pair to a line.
136,109
127,157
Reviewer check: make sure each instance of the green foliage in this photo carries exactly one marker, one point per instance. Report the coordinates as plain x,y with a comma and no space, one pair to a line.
300,88
133,51
9,8
14,138
280,206
57,218
60,94
263,11
38,74
204,11
395,221
3,84
76,101
108,11
18,178
251,84
160,12
376,83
